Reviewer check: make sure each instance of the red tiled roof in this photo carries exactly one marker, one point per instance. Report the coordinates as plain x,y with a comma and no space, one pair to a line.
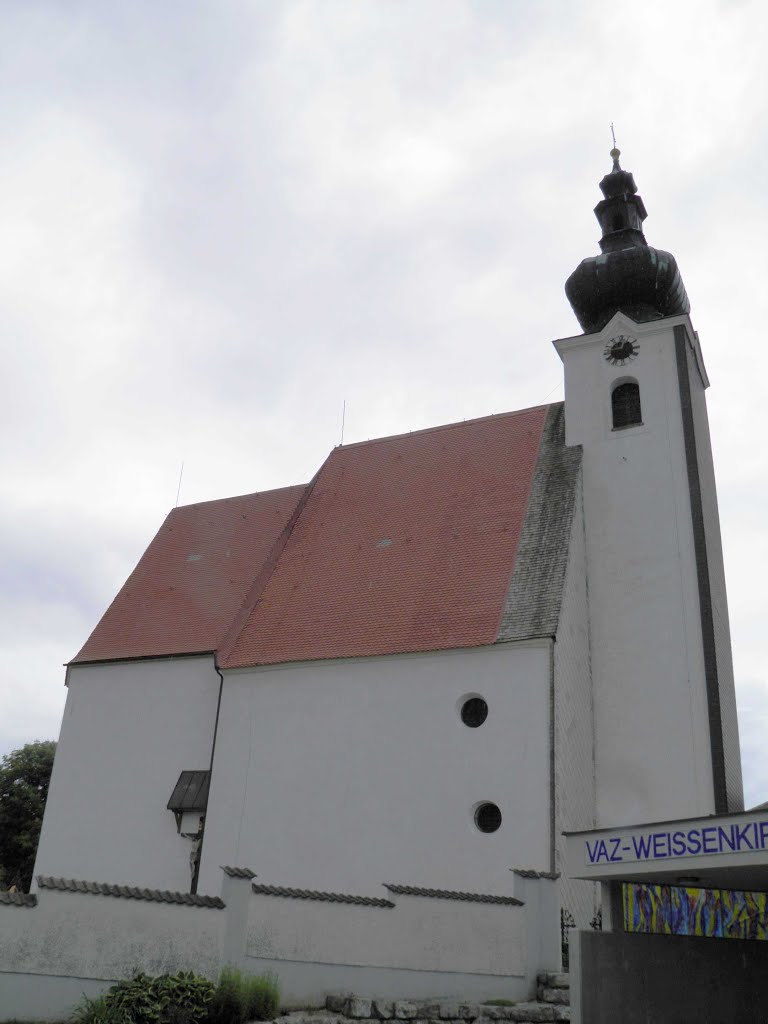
193,578
404,544
400,544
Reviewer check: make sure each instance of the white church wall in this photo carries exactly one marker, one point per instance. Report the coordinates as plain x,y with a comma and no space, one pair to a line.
128,731
728,713
651,725
574,735
344,775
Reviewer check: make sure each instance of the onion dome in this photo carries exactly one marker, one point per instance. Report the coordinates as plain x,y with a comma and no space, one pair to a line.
628,275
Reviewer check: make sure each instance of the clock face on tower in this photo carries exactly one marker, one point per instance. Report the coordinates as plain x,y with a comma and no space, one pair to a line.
621,350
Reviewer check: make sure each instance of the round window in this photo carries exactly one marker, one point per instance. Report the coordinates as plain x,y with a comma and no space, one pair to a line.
474,712
488,817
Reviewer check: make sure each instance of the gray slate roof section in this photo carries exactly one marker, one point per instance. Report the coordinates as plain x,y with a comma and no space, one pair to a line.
448,894
238,872
130,892
18,899
328,897
532,608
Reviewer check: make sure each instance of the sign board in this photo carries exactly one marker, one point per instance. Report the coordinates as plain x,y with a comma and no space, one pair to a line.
605,853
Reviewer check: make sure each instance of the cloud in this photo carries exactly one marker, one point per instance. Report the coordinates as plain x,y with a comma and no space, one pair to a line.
752,695
219,225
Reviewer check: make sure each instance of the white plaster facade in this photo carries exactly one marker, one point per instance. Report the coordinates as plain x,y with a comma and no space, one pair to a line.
335,775
129,730
652,751
343,775
574,738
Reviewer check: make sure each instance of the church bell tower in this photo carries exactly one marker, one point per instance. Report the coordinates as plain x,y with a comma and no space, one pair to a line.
665,729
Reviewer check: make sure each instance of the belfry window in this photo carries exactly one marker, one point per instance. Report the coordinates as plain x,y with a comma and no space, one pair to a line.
625,405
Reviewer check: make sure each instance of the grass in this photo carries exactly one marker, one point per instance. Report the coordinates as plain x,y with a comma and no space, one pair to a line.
243,997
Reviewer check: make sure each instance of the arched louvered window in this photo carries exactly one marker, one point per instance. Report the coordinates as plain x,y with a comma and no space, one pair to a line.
625,405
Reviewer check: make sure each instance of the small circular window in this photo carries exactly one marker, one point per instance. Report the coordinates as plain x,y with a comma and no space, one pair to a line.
487,817
474,712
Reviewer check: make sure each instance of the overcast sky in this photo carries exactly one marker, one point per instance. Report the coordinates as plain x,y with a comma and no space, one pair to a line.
220,221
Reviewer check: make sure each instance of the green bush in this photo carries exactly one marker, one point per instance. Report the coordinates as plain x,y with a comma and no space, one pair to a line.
181,998
243,997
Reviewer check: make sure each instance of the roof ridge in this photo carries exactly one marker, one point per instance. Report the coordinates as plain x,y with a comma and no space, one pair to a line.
446,426
235,497
256,589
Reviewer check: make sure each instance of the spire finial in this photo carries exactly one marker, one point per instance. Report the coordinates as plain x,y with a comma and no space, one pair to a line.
628,274
615,152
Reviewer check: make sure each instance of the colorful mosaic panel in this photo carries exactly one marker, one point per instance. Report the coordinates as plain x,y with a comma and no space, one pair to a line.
681,910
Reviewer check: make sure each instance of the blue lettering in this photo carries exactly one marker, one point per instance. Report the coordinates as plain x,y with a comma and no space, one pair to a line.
642,845
763,833
678,844
597,852
710,843
694,841
615,850
741,836
658,845
726,838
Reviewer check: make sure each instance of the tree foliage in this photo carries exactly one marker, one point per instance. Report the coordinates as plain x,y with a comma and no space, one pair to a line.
24,778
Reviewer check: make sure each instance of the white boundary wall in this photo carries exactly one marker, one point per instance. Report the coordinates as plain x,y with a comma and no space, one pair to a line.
78,943
73,944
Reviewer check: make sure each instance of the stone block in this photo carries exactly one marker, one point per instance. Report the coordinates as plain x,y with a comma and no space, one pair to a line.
383,1009
404,1010
430,1011
308,1017
562,1012
358,1009
493,1013
448,1011
532,1013
469,1011
337,1004
556,995
557,980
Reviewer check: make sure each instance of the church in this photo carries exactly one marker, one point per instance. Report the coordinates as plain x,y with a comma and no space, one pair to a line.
420,668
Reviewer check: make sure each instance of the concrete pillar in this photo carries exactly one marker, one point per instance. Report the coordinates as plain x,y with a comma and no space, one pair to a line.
236,893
